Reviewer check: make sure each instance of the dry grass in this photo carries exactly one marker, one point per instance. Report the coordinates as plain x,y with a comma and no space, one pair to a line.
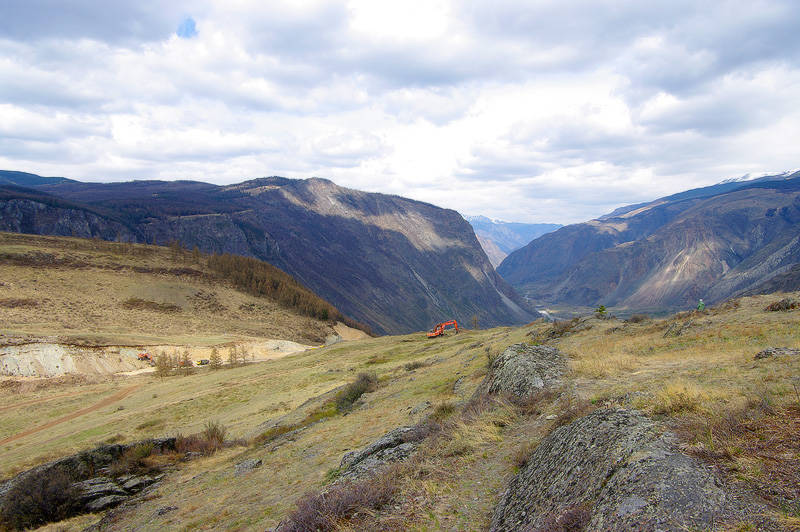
701,378
104,293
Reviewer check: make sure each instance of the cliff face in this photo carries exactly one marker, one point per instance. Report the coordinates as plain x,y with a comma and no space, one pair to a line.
396,264
668,253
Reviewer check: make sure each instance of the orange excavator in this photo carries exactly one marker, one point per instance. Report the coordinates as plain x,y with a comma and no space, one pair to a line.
440,327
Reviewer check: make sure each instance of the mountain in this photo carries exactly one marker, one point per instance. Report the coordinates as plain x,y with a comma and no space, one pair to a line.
396,264
499,238
713,243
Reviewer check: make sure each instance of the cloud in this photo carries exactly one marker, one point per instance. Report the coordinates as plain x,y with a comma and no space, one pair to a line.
532,111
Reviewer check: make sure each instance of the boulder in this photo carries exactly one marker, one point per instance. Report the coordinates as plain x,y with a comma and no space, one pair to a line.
616,470
522,370
247,466
393,446
776,351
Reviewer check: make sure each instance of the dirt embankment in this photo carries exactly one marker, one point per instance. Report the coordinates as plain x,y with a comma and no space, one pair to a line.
54,360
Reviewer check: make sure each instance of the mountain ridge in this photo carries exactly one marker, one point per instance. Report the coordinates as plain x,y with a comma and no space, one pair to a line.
712,242
396,264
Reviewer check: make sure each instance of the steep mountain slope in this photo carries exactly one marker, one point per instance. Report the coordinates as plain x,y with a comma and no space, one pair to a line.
396,264
499,238
712,243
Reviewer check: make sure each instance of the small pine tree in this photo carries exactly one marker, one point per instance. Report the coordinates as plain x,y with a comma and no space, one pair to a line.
243,355
233,356
601,310
215,361
474,321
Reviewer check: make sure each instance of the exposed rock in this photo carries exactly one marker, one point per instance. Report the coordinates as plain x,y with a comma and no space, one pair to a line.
332,339
777,351
136,483
95,493
166,509
103,503
623,469
96,488
523,369
247,466
421,407
393,446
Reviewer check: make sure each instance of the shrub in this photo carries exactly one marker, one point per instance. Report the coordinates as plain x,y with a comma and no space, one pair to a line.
411,366
214,433
443,411
40,498
678,397
13,302
135,303
638,318
327,510
365,382
133,461
783,304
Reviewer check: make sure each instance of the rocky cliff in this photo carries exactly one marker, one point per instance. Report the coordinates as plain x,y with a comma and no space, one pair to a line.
396,264
712,243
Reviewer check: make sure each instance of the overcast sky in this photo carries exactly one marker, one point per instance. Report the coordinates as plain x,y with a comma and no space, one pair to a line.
537,111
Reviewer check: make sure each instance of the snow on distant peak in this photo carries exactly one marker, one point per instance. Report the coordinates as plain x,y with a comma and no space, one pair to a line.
752,177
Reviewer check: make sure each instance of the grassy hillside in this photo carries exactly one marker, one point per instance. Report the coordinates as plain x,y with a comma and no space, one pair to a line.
93,292
694,372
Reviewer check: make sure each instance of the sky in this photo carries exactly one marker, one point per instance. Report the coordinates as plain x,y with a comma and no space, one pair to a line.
529,111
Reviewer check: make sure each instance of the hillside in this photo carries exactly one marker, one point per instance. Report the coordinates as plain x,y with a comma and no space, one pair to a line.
499,238
82,292
693,376
709,243
393,263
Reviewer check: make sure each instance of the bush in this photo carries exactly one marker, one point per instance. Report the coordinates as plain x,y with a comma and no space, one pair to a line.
411,366
365,382
135,303
214,433
638,318
209,441
326,511
133,461
784,305
12,302
42,497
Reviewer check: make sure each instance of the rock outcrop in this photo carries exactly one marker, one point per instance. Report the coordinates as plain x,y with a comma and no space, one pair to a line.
95,491
776,351
622,471
393,446
522,370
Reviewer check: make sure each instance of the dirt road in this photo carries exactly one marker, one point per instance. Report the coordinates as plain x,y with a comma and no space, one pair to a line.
37,401
105,402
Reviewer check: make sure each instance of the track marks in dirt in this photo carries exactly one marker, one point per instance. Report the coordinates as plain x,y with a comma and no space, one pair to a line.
105,402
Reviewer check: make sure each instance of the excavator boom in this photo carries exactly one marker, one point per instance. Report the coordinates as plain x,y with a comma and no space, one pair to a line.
440,328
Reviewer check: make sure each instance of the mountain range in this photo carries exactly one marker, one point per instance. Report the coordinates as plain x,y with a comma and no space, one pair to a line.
499,238
713,243
396,264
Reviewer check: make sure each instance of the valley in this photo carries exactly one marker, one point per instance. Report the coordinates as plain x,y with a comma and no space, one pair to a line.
279,413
